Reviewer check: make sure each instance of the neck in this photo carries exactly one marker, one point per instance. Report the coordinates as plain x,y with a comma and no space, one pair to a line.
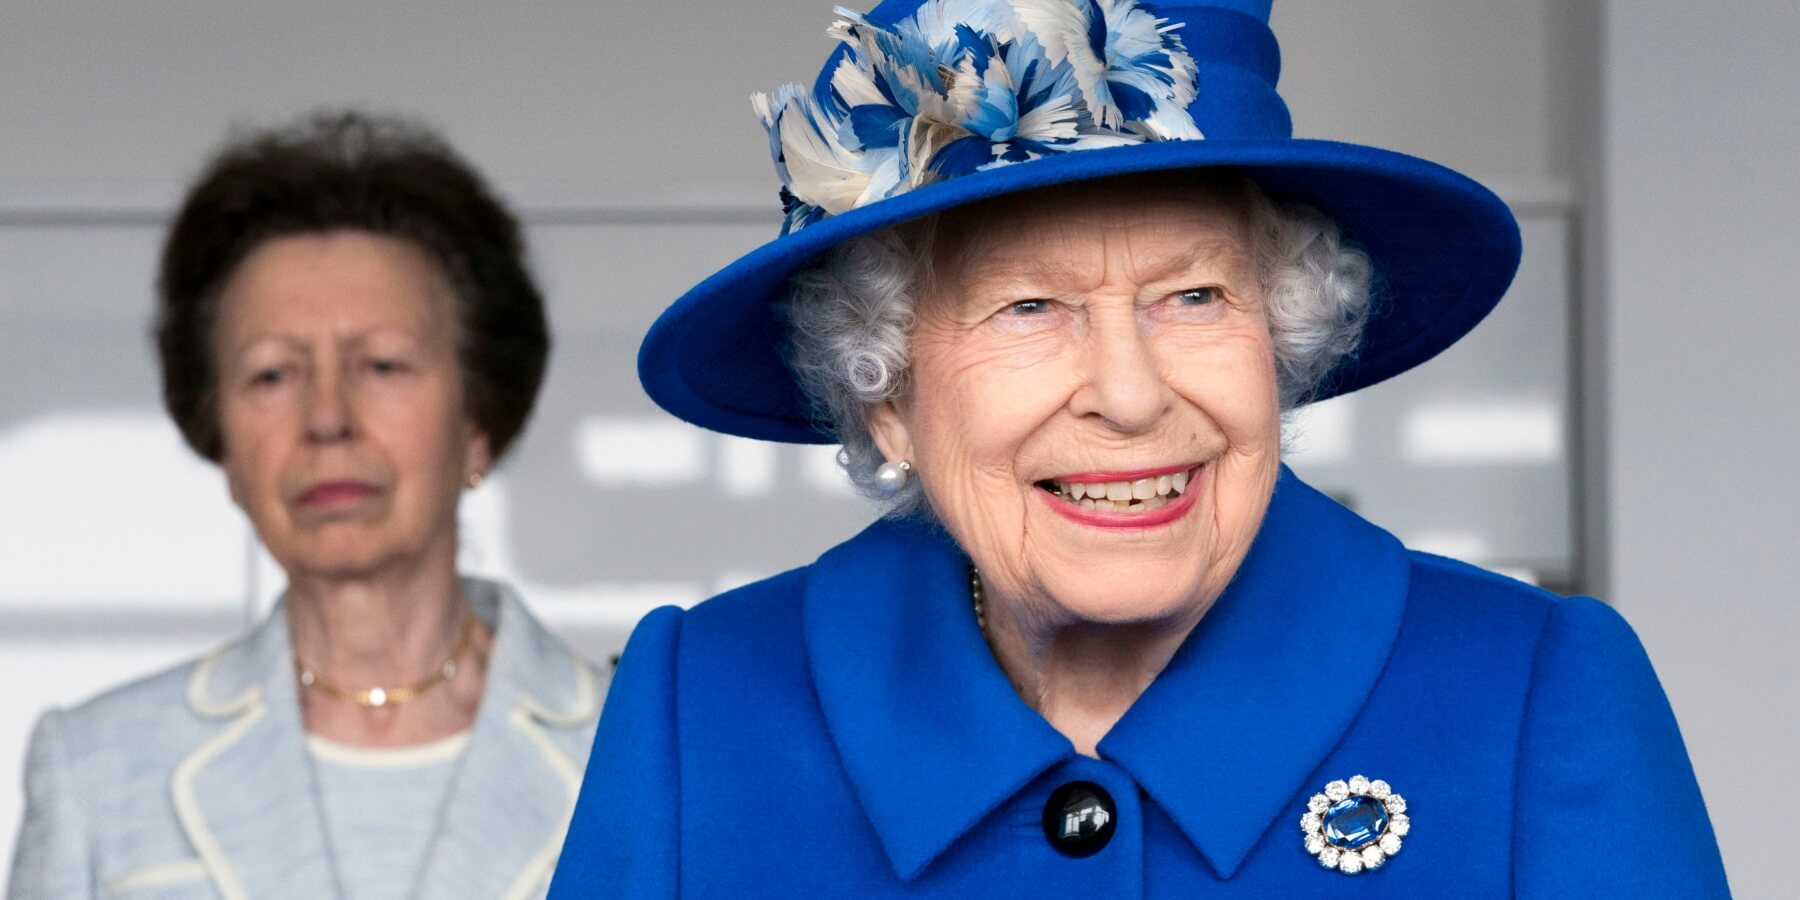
382,631
1080,676
388,630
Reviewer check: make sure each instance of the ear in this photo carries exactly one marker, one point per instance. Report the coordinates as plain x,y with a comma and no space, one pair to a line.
478,453
887,425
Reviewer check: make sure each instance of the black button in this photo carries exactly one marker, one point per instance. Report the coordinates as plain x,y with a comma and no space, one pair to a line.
1080,818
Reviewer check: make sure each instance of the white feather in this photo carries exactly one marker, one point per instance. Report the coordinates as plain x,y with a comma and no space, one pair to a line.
855,85
1062,26
822,171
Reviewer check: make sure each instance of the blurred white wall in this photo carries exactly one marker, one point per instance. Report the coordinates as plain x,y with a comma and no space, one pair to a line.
1701,184
635,95
626,111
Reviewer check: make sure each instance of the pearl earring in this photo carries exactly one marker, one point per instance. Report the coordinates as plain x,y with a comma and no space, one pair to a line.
891,476
475,479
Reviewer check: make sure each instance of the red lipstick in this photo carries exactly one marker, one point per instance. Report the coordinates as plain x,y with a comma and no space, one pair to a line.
1128,521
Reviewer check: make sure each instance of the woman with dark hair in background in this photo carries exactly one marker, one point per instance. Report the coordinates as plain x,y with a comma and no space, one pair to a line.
348,329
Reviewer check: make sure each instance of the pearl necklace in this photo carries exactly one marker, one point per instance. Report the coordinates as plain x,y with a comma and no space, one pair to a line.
980,597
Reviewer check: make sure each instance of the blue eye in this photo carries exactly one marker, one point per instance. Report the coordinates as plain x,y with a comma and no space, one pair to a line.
1197,296
1029,307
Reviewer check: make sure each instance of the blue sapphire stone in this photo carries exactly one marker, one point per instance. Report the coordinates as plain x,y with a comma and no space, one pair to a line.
1354,822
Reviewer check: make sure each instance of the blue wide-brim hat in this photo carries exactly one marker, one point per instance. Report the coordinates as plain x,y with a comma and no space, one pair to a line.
1444,247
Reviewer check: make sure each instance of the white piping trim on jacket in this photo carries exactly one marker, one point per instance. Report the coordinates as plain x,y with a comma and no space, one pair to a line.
537,872
158,875
199,694
187,808
584,706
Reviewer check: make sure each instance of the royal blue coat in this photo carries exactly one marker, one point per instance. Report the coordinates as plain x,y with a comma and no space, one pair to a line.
842,730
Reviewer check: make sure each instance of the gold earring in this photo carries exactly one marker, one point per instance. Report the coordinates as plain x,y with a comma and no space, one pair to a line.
475,479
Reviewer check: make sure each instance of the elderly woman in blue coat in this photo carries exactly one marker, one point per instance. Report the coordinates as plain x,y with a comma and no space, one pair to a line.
1052,273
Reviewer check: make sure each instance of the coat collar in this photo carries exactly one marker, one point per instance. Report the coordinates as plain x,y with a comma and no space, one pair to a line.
535,688
1245,712
511,801
256,762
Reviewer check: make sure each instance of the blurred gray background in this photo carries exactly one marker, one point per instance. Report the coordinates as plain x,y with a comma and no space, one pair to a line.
1623,425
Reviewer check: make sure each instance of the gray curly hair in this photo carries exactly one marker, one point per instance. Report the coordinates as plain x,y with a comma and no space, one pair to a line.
850,318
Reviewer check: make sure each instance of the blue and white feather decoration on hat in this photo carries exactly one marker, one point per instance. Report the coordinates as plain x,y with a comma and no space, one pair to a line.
965,85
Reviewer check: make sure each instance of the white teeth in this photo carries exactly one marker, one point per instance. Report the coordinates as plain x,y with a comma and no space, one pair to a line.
1148,493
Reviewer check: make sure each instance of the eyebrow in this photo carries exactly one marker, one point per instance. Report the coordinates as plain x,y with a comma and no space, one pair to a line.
291,341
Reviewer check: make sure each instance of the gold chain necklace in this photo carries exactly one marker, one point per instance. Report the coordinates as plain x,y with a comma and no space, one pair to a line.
375,697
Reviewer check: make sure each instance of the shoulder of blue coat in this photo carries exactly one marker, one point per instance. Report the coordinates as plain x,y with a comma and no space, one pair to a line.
1443,575
752,629
1479,597
1588,634
1449,599
750,609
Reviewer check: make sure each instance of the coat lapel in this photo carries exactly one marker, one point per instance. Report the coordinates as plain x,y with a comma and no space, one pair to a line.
1228,735
245,796
1223,740
913,699
509,807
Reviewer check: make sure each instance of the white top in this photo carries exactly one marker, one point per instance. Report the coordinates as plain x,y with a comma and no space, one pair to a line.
382,808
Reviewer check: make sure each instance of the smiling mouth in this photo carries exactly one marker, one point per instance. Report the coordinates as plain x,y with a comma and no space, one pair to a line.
1136,495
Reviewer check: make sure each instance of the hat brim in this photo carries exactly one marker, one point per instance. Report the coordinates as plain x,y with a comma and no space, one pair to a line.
1444,249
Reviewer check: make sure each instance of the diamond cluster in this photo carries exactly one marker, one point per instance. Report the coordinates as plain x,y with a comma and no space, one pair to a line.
1355,825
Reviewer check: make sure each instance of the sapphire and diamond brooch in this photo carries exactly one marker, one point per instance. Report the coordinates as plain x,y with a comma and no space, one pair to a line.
1355,825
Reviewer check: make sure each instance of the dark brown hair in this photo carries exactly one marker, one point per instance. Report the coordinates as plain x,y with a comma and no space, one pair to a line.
335,171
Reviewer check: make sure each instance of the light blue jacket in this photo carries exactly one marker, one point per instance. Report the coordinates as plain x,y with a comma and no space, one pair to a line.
196,782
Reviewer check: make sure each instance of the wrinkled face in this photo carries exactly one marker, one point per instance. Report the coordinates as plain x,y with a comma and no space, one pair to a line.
1093,409
341,403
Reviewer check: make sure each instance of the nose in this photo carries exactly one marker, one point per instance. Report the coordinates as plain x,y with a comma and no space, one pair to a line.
1123,388
328,416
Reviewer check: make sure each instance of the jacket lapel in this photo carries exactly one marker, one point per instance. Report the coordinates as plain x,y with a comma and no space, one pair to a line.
1272,677
1251,704
245,796
913,699
510,804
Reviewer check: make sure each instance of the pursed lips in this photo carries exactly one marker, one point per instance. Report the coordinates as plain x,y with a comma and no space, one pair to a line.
329,493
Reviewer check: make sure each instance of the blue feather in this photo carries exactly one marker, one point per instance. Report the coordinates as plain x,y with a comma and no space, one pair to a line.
962,156
878,126
1134,103
1097,30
